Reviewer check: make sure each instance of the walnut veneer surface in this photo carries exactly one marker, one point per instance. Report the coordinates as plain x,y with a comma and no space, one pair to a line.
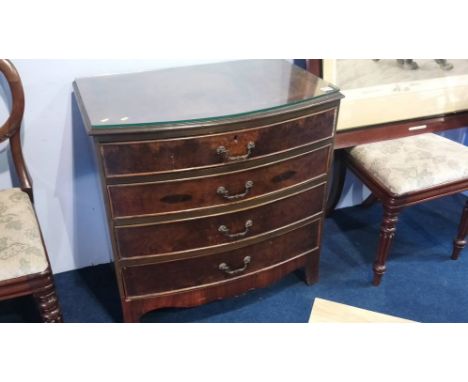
214,177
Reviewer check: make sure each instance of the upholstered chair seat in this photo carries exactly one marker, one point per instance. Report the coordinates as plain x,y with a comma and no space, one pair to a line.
21,249
406,171
414,163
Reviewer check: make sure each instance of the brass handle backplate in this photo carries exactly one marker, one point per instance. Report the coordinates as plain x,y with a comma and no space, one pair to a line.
221,150
225,230
226,269
225,193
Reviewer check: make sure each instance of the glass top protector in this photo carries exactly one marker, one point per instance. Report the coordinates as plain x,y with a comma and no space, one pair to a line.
197,93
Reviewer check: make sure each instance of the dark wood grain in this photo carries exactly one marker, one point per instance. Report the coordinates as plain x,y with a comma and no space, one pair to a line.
155,239
154,156
387,233
315,66
47,300
161,182
199,271
134,308
163,197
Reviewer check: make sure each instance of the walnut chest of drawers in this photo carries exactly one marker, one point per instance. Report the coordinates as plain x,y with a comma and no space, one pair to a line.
214,177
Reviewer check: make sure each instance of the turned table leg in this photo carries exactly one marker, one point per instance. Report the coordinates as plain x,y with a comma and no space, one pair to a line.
460,242
387,233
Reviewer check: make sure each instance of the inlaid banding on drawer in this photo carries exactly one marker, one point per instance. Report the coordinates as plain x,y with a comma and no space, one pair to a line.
131,200
156,156
157,239
195,272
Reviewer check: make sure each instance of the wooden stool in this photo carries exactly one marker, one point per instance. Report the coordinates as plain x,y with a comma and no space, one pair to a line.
406,171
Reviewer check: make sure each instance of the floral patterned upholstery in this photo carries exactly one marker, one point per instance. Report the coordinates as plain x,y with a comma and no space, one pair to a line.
21,248
414,163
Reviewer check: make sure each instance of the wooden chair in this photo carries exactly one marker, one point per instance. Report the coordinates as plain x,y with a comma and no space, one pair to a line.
24,264
406,171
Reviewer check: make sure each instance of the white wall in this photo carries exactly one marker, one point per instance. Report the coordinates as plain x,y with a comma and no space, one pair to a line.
61,163
59,157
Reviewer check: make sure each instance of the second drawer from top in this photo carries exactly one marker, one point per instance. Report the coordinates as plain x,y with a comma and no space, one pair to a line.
156,198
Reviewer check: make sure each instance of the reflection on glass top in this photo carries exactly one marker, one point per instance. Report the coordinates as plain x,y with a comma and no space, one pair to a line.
197,93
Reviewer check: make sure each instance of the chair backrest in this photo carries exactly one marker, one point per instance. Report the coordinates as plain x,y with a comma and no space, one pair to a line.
11,128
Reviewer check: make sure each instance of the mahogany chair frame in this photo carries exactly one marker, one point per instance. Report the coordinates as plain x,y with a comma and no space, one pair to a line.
392,206
39,285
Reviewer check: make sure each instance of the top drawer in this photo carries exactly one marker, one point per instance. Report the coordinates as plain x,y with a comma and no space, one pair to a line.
157,156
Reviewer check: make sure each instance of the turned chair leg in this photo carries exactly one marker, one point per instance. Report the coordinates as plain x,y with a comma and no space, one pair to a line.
47,302
387,232
460,242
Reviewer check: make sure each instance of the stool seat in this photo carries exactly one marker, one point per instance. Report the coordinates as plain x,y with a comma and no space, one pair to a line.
406,171
412,164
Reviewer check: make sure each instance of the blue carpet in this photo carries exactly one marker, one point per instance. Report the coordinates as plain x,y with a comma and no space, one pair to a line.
421,282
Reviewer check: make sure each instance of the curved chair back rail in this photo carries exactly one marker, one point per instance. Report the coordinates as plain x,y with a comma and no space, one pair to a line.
11,128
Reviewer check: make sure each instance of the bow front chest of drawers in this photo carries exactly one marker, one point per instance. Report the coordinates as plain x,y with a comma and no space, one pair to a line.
214,177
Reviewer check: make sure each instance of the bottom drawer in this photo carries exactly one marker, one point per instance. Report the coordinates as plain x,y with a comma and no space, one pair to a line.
187,273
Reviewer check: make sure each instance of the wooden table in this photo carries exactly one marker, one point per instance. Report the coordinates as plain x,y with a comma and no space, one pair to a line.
329,311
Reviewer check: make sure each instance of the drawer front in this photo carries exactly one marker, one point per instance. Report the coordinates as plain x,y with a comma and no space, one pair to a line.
149,157
199,271
156,239
172,196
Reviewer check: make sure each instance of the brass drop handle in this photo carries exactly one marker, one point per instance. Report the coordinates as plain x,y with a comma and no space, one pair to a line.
226,269
225,193
225,230
221,150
